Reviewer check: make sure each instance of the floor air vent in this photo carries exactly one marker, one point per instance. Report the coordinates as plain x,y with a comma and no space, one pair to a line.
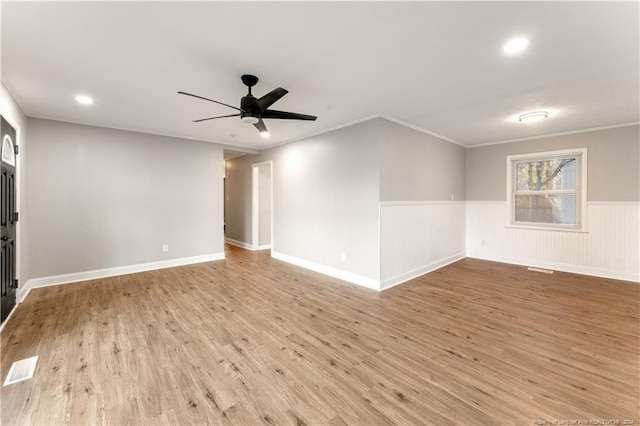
21,370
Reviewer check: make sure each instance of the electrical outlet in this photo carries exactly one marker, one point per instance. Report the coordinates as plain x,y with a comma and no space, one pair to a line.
453,197
343,257
165,248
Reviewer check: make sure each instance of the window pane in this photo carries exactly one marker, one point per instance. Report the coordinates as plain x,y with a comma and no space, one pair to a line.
557,208
546,175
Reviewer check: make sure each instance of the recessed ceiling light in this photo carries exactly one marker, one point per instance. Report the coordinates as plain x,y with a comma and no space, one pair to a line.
83,99
531,117
264,134
515,45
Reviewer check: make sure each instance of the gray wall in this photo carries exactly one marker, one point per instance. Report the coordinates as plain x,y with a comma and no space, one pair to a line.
102,198
325,195
612,169
415,166
10,109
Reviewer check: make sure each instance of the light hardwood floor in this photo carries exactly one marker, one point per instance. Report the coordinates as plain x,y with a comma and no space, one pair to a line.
252,340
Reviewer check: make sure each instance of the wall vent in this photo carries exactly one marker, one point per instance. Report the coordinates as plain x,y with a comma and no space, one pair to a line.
21,370
546,271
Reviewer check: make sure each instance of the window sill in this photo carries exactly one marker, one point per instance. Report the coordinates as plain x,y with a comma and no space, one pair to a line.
548,228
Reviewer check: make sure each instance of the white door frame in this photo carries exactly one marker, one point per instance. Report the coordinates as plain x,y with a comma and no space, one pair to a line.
255,205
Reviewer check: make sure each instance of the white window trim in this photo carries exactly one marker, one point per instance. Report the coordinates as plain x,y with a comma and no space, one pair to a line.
581,153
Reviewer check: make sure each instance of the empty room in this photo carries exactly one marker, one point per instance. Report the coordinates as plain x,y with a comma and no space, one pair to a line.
320,213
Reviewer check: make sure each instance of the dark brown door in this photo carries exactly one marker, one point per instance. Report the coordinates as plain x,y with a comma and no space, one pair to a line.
9,216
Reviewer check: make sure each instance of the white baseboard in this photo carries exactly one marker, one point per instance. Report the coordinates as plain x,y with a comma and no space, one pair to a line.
240,244
22,293
360,280
112,272
265,247
562,267
10,313
399,279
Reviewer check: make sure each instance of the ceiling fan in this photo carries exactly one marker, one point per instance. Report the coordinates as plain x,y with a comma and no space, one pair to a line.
253,110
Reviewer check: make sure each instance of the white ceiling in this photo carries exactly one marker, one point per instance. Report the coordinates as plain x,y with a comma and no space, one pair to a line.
438,66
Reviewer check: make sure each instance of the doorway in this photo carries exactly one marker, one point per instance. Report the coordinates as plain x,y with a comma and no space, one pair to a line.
262,205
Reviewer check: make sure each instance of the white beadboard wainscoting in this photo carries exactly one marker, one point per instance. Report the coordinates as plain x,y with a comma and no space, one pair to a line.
610,248
419,236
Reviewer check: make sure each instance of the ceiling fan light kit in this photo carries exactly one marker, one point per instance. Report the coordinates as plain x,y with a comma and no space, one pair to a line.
249,119
252,110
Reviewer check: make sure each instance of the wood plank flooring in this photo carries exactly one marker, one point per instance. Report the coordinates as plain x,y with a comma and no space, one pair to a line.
252,340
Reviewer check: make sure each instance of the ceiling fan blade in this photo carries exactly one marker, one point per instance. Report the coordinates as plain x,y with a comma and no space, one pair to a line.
213,118
260,126
272,113
210,100
269,99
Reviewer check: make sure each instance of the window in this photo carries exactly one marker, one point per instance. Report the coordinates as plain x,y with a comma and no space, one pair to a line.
548,190
8,151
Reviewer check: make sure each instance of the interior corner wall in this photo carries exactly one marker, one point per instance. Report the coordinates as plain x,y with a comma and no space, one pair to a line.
326,194
422,208
325,202
10,109
102,198
609,248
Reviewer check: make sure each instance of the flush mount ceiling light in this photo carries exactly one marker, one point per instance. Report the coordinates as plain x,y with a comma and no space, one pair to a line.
531,117
515,45
84,99
264,134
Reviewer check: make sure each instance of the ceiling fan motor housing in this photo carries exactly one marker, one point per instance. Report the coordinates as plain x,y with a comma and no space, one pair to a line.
248,114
